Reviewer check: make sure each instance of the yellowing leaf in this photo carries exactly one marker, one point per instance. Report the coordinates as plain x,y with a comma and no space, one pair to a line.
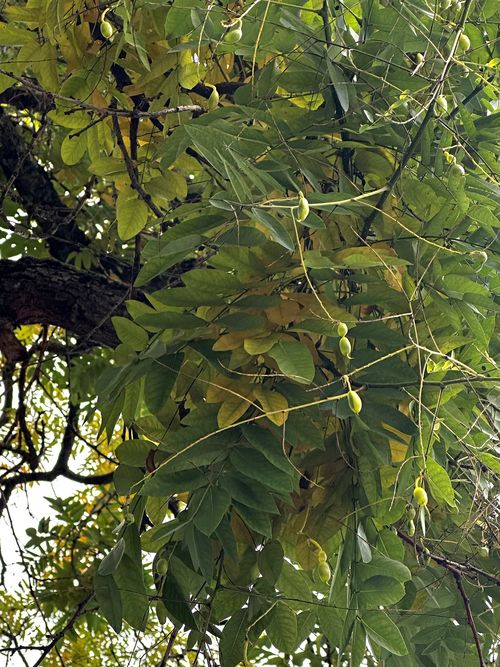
228,342
73,148
285,313
272,401
398,451
131,213
231,410
398,447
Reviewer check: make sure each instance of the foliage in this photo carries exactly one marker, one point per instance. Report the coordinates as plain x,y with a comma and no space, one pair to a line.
334,163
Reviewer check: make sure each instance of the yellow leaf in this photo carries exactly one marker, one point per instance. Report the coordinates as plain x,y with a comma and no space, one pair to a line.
217,389
272,401
231,410
398,447
398,451
228,342
285,313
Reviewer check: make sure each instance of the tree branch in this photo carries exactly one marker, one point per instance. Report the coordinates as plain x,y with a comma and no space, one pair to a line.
37,193
436,89
36,291
457,570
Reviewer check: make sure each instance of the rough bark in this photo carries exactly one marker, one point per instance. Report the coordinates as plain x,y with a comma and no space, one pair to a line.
40,291
37,193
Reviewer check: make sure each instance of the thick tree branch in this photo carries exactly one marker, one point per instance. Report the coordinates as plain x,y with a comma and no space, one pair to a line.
35,291
37,193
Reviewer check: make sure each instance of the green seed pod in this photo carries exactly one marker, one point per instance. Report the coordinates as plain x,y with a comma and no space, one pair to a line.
484,552
411,528
162,566
302,208
457,170
129,518
419,58
420,495
322,557
106,29
345,347
410,513
463,42
235,33
213,100
355,402
324,572
342,329
441,105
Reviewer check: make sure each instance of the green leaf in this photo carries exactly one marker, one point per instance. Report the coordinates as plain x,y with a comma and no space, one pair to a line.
383,631
282,630
250,493
130,333
130,582
265,442
164,482
126,478
270,561
363,544
339,83
358,644
294,360
176,604
169,255
160,381
73,148
109,600
380,565
110,562
134,452
233,638
169,320
439,482
131,213
255,520
215,504
493,462
254,465
275,227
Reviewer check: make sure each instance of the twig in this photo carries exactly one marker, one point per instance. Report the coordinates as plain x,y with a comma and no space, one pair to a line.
104,111
470,617
59,635
457,570
416,139
132,171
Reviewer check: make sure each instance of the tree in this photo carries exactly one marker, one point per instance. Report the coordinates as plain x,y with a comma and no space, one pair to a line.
247,308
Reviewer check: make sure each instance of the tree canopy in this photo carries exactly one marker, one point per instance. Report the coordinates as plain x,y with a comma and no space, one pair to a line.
248,294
